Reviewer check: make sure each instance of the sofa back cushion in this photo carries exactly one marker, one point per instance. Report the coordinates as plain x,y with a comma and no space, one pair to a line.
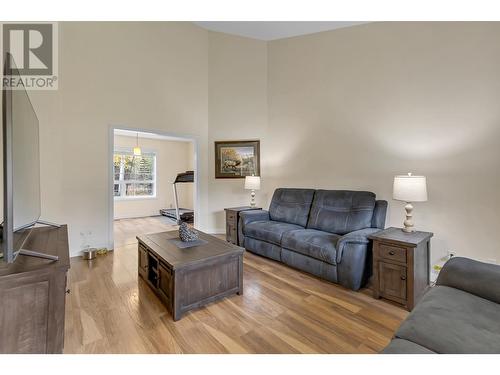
291,205
341,211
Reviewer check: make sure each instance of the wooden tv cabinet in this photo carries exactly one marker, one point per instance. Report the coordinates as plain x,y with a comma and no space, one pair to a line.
32,295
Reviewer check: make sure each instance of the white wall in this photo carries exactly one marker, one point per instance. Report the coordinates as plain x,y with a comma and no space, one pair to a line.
237,110
131,74
172,157
351,108
343,109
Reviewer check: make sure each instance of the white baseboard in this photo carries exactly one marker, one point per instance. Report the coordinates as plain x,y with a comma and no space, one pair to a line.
74,253
136,216
213,230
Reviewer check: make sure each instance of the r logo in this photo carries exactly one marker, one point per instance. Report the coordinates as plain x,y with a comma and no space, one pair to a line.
31,46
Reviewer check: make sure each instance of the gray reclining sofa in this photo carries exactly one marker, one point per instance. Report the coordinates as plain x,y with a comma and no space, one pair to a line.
460,315
322,232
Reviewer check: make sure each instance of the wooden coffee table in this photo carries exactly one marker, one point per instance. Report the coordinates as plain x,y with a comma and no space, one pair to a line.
187,278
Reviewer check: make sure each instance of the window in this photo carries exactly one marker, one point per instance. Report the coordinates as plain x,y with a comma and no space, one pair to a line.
135,176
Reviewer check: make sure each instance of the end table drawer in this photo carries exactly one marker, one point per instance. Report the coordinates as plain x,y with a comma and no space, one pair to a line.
394,253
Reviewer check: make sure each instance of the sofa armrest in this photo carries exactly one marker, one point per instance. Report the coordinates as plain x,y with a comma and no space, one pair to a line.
379,214
481,279
356,237
246,217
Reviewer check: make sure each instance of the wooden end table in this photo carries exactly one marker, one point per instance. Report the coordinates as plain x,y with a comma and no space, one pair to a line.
401,265
232,222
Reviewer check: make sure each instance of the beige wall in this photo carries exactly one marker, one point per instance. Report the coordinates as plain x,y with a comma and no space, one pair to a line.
237,110
343,109
141,75
172,157
351,108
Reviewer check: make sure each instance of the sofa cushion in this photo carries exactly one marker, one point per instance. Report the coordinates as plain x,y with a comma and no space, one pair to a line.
341,211
313,243
310,265
291,205
451,321
400,346
263,248
472,276
270,231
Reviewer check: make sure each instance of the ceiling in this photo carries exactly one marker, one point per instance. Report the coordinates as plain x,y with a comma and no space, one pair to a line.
272,30
131,133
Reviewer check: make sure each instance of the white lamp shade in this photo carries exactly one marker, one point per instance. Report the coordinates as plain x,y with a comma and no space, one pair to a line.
252,182
410,188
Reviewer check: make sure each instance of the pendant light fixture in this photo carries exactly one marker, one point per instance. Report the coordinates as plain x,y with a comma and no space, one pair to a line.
137,149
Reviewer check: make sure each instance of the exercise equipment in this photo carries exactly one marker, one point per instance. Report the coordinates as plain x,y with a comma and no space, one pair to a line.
180,214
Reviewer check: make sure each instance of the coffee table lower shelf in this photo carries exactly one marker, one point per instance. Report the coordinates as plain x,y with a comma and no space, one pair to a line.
199,276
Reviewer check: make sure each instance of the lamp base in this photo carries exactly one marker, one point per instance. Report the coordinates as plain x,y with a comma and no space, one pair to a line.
408,223
252,199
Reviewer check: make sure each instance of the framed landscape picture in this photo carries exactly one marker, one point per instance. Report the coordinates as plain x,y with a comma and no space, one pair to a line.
237,159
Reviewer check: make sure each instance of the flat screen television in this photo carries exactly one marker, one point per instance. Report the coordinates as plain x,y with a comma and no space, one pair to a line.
21,167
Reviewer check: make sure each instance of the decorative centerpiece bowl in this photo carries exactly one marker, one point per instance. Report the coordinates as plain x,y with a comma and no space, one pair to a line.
187,234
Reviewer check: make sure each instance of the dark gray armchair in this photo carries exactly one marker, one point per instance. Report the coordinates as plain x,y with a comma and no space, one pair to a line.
323,232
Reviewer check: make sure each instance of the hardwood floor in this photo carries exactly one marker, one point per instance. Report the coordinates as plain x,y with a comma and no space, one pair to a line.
125,230
282,310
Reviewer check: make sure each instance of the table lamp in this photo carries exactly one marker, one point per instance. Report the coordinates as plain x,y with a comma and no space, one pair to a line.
409,189
252,183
